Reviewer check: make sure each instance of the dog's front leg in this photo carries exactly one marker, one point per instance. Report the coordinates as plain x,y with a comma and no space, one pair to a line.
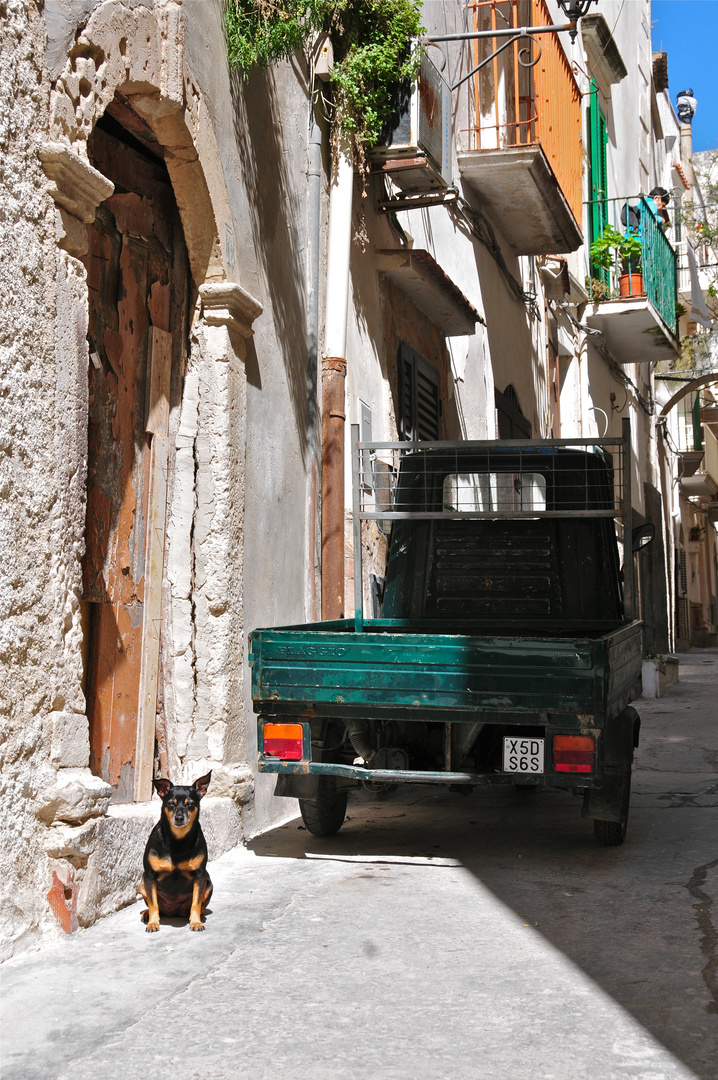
149,891
198,897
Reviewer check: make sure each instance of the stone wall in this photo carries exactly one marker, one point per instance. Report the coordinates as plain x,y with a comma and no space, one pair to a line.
39,480
67,856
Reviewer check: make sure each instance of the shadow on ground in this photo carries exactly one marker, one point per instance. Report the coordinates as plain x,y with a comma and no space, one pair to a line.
637,919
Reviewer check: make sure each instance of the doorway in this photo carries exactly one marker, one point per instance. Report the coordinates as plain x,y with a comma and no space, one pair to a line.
138,286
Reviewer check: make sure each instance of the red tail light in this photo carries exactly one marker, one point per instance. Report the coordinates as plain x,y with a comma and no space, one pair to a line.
283,741
573,753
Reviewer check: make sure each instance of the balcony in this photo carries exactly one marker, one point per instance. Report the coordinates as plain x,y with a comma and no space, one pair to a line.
521,149
703,482
634,302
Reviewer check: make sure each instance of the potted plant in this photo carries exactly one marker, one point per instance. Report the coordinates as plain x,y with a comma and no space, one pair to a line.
614,248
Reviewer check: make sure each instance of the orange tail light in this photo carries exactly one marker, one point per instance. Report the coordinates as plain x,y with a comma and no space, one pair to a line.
284,741
573,753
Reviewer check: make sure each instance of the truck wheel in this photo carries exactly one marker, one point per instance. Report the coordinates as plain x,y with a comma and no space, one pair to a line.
610,833
324,815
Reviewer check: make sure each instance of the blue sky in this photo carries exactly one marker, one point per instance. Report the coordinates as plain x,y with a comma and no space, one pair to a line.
688,31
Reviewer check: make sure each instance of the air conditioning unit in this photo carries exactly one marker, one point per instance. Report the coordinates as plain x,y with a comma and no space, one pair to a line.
416,153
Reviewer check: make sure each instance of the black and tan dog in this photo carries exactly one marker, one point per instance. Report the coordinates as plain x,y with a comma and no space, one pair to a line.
175,880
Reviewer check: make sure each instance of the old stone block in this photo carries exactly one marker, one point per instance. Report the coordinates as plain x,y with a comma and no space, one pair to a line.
232,780
221,825
75,796
672,670
114,868
653,679
72,842
70,747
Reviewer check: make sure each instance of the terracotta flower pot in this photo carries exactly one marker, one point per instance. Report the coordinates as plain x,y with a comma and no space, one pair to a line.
630,285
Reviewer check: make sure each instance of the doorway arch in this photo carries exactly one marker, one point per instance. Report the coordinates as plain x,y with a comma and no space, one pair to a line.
127,65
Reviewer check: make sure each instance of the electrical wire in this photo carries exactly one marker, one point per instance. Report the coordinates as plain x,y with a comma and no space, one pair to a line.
616,370
482,230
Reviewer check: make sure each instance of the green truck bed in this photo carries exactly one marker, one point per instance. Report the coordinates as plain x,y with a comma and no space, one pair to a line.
396,667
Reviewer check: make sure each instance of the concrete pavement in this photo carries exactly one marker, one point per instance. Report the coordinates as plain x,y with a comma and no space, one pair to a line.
434,937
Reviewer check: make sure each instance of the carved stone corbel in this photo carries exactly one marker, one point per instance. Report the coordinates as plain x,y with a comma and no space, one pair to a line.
227,304
77,190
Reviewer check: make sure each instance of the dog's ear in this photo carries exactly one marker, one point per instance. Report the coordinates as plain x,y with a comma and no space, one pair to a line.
202,784
162,786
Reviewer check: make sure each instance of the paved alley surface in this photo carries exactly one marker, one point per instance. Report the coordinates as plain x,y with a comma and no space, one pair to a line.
434,938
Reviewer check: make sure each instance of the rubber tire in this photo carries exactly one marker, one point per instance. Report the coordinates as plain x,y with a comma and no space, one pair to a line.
609,833
325,815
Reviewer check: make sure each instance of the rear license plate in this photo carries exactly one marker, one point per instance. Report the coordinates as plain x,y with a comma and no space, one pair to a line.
523,755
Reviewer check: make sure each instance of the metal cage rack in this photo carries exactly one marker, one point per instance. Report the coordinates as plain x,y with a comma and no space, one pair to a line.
509,479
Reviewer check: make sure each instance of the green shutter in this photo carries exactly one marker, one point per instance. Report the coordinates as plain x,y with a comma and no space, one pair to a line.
598,138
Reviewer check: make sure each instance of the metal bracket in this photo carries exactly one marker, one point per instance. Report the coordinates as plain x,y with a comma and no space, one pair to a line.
512,34
416,202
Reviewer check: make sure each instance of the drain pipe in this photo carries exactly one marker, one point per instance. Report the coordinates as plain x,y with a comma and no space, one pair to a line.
313,241
334,367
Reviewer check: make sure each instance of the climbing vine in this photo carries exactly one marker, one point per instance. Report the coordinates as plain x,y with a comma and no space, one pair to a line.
370,39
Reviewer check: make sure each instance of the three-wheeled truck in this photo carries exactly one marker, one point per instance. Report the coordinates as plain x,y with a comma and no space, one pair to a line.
505,650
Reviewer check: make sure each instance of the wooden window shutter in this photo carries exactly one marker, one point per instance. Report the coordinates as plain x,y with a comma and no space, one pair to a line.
419,397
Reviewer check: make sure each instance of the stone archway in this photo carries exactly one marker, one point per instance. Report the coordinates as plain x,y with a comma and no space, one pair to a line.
687,388
139,54
132,60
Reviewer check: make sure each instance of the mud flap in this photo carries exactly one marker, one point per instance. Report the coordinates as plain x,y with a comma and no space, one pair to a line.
611,800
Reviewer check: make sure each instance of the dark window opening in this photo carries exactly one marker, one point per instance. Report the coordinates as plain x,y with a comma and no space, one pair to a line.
511,421
419,397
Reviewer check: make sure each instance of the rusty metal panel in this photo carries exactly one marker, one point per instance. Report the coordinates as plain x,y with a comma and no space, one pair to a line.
113,693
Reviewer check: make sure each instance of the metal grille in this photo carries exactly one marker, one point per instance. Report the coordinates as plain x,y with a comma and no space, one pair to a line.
450,482
508,479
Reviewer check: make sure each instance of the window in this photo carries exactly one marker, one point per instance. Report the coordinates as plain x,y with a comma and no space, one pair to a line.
419,397
476,492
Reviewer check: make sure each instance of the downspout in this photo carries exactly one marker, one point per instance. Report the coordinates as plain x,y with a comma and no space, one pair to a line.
314,175
334,367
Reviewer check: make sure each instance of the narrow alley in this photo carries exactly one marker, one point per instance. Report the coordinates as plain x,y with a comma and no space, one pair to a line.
434,937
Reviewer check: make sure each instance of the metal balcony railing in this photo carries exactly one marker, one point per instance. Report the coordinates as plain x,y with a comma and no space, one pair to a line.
653,275
517,105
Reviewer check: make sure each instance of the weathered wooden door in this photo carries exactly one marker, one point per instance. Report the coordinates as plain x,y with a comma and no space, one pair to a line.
137,284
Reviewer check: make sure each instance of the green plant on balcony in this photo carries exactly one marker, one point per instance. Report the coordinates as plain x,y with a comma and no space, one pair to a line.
614,248
623,251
